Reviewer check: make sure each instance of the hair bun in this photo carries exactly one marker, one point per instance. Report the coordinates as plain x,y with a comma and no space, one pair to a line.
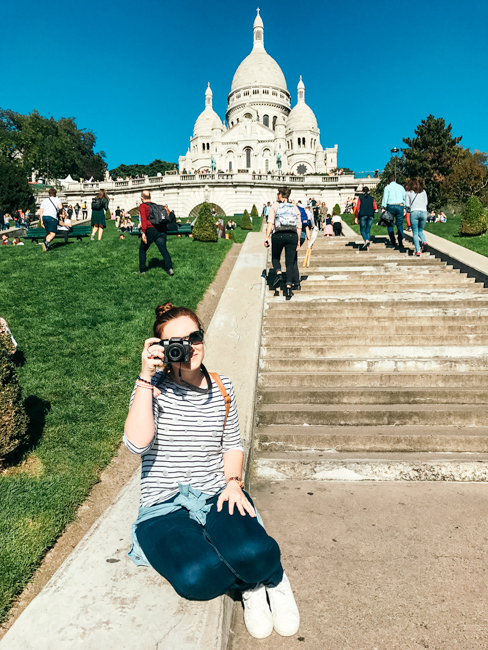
162,309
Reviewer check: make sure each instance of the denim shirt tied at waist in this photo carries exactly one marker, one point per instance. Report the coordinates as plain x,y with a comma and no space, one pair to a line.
193,500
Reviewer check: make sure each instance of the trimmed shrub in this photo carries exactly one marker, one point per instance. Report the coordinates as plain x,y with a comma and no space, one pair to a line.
232,236
336,209
474,221
13,418
254,211
205,228
246,223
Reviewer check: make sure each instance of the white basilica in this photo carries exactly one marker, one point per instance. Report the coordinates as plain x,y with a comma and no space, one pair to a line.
263,133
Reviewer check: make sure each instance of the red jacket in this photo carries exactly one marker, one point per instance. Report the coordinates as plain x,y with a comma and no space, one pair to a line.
144,212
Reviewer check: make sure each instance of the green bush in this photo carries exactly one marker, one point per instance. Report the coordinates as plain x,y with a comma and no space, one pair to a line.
254,211
232,236
246,223
474,221
13,418
205,228
336,209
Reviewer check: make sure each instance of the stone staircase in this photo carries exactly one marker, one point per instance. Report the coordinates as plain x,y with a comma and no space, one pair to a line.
377,369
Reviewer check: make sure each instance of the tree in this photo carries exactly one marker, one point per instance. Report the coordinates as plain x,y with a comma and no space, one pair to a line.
254,211
431,156
15,191
139,170
205,228
246,223
13,418
474,220
50,148
469,177
336,209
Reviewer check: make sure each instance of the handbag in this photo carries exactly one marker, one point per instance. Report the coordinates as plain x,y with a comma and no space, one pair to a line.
386,219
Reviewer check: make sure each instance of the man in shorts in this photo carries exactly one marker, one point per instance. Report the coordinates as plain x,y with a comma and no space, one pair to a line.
48,215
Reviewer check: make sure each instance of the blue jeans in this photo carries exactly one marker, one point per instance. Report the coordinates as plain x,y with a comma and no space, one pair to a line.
397,212
418,219
365,227
203,562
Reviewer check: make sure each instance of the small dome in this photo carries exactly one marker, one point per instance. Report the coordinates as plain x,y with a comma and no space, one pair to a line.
206,121
258,21
301,118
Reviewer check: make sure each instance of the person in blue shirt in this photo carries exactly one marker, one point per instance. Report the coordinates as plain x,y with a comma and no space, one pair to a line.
394,199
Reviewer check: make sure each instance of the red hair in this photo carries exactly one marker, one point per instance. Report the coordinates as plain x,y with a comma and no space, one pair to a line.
167,312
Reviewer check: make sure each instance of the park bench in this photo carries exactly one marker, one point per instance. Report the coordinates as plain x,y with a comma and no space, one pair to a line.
185,229
78,232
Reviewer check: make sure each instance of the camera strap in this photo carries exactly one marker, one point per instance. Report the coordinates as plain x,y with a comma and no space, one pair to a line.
197,389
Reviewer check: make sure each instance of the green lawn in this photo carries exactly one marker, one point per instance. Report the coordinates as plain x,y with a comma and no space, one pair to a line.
80,316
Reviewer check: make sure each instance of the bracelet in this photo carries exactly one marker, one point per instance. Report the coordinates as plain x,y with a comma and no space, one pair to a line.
144,380
142,383
237,479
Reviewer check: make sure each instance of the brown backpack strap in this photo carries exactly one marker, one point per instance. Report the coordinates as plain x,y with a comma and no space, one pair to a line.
225,395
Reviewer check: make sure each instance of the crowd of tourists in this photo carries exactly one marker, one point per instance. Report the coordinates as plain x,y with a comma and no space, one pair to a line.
398,202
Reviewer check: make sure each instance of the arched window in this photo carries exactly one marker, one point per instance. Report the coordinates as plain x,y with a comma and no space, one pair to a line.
208,146
266,120
230,165
274,123
248,116
203,146
266,166
248,158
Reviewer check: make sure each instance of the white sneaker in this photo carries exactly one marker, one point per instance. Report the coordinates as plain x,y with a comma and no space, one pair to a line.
286,618
257,616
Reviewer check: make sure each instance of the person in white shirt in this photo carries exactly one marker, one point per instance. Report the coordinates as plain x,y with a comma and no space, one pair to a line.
394,202
48,216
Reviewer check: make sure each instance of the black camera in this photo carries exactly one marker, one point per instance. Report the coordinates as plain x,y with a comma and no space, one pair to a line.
176,350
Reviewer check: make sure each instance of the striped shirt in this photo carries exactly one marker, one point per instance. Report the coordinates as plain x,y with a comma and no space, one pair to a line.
189,441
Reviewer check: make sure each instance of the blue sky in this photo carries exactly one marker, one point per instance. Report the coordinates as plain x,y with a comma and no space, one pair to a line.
135,73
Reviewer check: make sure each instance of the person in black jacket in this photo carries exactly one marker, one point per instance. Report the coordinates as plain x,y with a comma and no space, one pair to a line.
364,215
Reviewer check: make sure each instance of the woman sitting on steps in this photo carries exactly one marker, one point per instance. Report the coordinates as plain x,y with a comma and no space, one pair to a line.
197,527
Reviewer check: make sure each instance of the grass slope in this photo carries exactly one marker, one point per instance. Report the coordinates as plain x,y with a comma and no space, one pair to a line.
449,230
80,317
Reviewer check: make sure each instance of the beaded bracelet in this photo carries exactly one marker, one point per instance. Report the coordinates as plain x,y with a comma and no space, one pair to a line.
142,383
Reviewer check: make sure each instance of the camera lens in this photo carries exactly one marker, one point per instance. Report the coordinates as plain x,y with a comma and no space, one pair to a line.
176,352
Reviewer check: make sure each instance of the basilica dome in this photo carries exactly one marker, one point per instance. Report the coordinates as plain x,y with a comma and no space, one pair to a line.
259,68
208,118
301,117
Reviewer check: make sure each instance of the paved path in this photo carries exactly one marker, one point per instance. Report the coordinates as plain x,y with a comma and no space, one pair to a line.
377,369
379,566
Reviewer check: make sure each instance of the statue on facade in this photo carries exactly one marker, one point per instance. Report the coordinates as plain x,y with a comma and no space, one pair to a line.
213,164
278,160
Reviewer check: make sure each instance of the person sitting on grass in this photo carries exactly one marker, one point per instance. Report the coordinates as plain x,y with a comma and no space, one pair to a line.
5,240
17,242
125,226
231,225
197,526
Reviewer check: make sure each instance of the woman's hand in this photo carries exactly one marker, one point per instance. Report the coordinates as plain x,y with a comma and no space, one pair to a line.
152,360
236,497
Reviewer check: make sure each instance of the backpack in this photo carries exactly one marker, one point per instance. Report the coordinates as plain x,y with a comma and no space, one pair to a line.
96,204
286,217
158,215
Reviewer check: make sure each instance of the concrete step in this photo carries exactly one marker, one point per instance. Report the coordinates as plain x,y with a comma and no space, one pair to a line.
378,395
373,415
447,323
275,327
392,288
302,350
461,295
375,279
377,337
380,308
369,380
368,365
371,439
391,467
326,263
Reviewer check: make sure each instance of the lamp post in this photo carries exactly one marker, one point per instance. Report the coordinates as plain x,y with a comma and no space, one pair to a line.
393,152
